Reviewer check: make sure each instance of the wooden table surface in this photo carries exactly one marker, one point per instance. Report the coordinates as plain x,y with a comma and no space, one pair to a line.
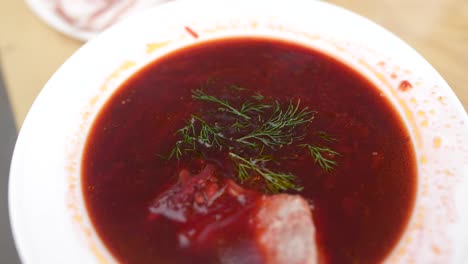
30,51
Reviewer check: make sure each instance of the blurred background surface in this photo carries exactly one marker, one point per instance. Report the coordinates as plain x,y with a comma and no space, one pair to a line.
31,51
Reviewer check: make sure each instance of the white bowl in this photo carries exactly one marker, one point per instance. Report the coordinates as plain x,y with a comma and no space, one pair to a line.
49,220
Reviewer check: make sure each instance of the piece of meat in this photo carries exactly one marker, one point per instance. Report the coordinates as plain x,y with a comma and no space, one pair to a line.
208,208
205,207
190,195
284,230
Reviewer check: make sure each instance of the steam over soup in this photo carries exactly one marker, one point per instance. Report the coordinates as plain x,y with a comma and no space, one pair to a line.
248,150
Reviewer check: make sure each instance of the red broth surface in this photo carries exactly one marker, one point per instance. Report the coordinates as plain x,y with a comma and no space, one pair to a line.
360,209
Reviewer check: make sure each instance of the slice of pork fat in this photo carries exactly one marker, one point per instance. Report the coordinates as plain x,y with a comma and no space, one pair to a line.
284,230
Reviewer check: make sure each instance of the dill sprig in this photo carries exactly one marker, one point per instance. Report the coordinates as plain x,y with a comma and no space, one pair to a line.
252,107
322,156
187,141
197,132
248,129
325,136
238,125
258,96
209,136
237,87
225,106
279,129
275,181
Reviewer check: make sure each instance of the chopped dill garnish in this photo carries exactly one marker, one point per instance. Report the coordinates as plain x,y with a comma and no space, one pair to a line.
247,127
237,87
322,156
325,136
275,181
225,106
258,96
253,107
187,141
279,129
238,125
209,136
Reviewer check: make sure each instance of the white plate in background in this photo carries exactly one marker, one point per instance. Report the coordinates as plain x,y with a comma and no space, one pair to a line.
83,19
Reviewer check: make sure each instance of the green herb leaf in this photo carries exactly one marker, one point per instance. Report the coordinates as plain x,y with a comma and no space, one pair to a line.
325,136
202,96
251,133
279,129
321,156
275,181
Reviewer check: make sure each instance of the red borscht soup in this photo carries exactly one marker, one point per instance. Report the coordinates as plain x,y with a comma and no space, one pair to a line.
248,150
